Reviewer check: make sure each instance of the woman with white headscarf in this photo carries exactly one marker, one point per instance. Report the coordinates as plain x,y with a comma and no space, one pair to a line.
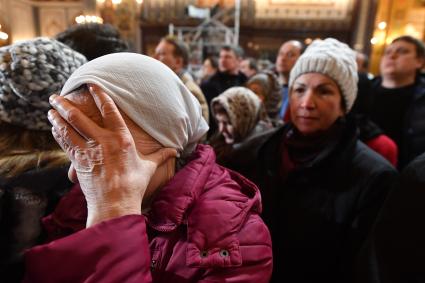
122,119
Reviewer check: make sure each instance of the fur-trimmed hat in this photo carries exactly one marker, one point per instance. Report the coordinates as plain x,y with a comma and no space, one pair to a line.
31,71
243,108
334,59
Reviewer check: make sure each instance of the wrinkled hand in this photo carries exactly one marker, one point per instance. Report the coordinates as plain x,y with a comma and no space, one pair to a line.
112,174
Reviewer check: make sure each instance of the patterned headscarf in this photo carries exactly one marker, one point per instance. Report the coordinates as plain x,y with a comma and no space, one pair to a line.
243,108
31,71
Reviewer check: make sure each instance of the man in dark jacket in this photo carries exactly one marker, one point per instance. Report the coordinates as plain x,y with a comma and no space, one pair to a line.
228,75
399,102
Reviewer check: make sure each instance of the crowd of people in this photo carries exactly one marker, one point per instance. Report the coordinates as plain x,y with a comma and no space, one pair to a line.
120,167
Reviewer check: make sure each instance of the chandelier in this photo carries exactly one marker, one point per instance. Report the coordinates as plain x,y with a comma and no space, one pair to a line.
107,5
85,19
117,2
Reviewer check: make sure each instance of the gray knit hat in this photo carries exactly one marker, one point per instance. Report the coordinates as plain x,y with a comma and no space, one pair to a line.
334,59
31,71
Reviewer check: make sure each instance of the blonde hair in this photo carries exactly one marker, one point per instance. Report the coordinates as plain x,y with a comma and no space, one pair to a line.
22,150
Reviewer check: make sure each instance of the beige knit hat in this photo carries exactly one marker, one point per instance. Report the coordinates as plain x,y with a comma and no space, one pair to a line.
334,59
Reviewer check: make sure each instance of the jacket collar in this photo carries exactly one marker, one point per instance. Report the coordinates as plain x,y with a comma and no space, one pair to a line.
419,91
199,195
330,158
175,201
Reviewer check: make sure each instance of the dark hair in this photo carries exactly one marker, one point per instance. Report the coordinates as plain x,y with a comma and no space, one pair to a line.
419,46
93,40
213,60
180,48
237,50
252,63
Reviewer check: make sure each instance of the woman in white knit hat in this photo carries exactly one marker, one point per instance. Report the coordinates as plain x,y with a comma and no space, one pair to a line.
321,187
159,208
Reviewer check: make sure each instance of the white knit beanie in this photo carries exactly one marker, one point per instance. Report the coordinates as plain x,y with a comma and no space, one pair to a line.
150,94
334,59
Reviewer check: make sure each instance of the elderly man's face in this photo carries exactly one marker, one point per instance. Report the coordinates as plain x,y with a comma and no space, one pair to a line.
164,52
288,55
145,144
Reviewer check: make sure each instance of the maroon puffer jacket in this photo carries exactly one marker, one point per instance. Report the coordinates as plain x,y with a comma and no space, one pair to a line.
204,226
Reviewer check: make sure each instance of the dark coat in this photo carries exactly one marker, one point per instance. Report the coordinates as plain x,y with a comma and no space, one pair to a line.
236,156
219,82
395,252
369,132
203,226
412,141
320,215
24,200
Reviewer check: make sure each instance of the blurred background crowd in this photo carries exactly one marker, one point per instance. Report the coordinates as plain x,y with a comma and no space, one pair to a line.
320,103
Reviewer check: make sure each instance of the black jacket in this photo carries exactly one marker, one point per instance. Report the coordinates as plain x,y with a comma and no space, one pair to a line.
412,141
395,252
24,200
360,112
219,82
319,216
237,156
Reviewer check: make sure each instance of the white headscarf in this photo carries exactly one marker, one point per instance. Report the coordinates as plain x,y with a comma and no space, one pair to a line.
150,94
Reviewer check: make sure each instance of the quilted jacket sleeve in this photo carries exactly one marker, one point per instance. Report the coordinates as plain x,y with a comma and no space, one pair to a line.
116,250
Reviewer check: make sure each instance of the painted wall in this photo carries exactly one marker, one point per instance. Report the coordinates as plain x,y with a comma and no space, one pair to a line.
25,19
